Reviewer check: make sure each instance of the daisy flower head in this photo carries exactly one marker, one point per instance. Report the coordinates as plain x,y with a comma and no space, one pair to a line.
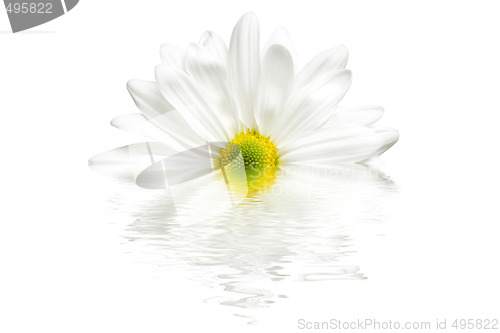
243,107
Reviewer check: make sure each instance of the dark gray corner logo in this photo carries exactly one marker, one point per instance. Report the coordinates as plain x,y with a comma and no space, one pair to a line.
25,14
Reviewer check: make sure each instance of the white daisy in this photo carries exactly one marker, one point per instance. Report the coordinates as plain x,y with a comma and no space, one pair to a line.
252,98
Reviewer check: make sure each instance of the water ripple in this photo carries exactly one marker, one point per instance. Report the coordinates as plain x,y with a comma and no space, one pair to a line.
304,227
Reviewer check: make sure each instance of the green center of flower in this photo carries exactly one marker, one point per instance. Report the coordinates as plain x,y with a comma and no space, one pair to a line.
257,151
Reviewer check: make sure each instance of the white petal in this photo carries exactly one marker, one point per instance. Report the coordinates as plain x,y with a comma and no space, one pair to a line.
335,145
176,169
311,107
244,66
211,76
190,101
215,45
362,116
275,83
148,98
280,37
172,56
139,124
129,161
328,60
388,135
153,105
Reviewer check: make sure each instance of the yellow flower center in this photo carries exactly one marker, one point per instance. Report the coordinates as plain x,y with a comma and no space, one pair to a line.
248,163
257,151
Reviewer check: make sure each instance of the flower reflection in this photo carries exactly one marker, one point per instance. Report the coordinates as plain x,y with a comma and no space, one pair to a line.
303,227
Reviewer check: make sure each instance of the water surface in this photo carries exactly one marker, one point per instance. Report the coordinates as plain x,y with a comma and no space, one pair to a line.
304,227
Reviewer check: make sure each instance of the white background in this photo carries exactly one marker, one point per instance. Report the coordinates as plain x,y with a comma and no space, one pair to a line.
433,65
